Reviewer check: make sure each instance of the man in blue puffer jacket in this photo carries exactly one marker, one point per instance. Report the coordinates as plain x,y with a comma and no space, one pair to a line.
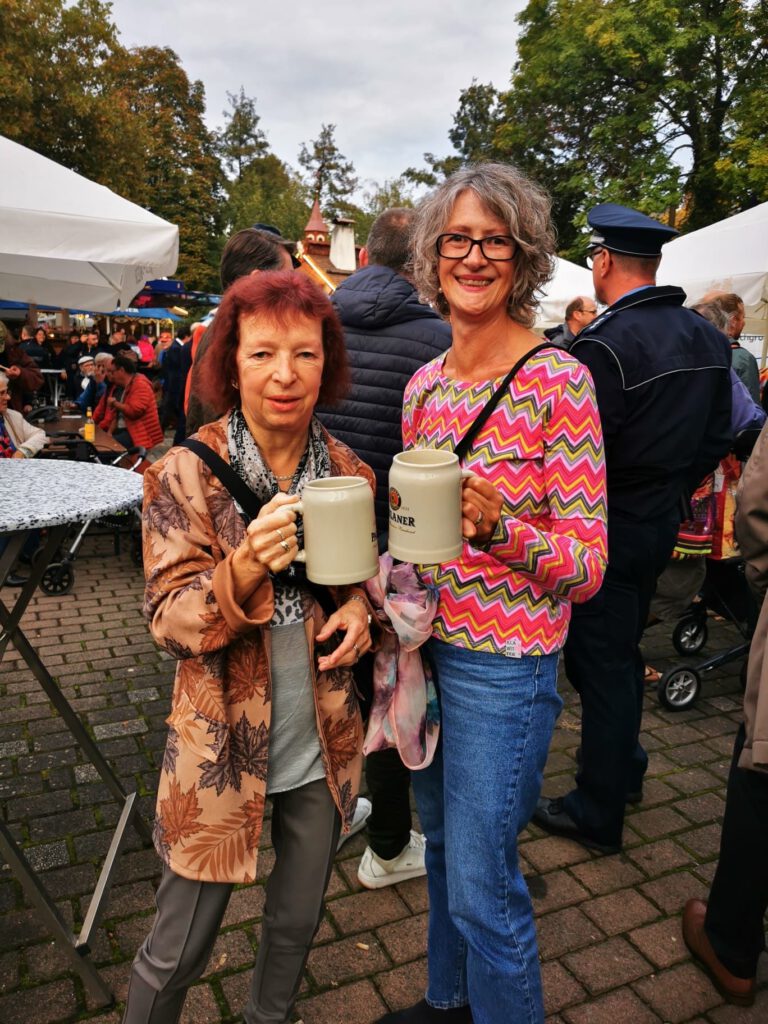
389,335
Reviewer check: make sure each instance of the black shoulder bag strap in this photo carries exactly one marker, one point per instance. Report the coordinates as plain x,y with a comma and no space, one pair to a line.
481,419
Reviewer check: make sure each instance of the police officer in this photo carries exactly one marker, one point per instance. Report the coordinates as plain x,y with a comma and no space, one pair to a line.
661,376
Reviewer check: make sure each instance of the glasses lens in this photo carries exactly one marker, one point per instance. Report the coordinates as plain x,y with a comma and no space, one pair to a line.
494,247
498,247
453,247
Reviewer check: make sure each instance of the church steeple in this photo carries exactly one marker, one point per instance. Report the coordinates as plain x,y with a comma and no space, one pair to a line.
316,229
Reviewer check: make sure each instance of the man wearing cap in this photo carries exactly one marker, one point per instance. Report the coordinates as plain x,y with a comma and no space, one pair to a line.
661,376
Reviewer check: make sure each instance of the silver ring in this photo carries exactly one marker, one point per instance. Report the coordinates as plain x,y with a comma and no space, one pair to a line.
280,534
479,519
357,652
284,546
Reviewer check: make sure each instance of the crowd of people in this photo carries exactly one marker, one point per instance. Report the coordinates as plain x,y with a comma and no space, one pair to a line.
591,446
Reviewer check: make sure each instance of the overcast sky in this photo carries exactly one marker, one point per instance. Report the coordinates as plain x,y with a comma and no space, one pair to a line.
387,74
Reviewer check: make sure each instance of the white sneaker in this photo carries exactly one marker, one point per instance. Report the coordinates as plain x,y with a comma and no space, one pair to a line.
375,873
360,817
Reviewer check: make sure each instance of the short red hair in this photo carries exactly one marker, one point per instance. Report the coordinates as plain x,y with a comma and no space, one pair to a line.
282,296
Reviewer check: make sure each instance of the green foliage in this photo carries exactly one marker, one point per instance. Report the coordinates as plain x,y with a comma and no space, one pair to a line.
329,175
268,192
241,140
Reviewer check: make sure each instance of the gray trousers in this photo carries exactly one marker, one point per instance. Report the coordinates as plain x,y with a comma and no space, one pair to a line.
305,830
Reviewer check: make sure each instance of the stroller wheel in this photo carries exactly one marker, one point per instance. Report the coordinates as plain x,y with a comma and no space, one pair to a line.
58,578
679,688
689,635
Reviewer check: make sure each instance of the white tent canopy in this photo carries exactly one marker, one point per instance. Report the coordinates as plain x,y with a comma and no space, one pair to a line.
730,256
569,281
66,241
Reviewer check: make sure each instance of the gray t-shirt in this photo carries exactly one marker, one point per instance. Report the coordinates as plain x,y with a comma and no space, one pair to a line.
294,747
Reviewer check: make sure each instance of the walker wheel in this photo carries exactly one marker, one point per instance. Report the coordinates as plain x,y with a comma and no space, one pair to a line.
679,688
689,635
58,578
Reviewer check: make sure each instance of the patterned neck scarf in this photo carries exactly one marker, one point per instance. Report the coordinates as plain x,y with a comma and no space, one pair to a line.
7,447
247,461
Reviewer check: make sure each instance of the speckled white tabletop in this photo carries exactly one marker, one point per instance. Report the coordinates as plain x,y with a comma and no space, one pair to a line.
36,493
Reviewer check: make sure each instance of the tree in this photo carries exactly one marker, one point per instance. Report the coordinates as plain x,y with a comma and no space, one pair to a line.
241,140
380,197
648,103
268,192
57,85
181,176
329,175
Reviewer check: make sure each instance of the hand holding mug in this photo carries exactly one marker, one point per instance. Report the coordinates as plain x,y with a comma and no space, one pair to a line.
480,509
271,536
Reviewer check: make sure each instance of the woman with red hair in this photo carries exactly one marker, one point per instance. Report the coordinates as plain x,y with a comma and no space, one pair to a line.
255,713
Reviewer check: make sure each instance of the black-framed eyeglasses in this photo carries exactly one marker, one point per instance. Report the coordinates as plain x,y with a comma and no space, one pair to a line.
585,310
590,259
454,246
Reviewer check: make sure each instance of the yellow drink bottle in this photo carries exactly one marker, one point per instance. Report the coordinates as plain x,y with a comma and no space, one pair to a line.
89,429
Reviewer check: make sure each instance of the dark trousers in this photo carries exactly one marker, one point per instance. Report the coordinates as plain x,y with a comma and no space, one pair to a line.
305,831
739,896
604,664
389,784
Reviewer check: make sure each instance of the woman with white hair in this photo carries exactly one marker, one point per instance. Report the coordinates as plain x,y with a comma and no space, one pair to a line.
18,439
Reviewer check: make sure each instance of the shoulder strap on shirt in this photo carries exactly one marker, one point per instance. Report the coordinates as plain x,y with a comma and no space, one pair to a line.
482,417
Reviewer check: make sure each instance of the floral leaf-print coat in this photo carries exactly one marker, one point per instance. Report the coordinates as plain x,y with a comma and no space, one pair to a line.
210,801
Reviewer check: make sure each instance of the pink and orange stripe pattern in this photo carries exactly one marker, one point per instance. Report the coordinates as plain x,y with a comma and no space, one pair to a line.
542,448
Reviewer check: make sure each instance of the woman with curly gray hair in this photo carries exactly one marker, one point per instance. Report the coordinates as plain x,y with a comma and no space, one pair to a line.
535,540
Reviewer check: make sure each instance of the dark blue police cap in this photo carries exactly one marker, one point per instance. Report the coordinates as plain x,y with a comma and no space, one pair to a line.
627,231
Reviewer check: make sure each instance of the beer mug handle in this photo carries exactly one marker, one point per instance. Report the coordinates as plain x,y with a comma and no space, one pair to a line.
467,473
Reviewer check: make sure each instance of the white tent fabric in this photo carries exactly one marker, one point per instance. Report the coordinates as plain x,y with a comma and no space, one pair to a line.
569,281
68,242
731,255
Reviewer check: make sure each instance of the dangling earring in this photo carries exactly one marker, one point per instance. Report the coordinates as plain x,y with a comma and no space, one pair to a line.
235,385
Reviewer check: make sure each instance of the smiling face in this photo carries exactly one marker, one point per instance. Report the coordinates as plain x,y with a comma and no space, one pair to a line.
279,372
475,286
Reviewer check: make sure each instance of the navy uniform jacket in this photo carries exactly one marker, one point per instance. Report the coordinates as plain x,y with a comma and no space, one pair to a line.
661,376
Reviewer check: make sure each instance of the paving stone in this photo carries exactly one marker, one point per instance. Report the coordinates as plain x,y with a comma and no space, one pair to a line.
560,988
554,891
678,993
367,910
358,1003
565,931
702,808
619,1007
128,728
143,695
200,1006
661,942
47,855
606,874
246,904
660,857
13,748
658,822
703,842
673,891
356,957
232,951
620,911
42,1004
607,965
405,940
553,852
729,1014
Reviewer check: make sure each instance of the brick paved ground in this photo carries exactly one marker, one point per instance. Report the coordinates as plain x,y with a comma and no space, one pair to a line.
609,927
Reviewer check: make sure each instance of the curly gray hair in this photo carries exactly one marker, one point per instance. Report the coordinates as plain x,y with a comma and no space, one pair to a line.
523,205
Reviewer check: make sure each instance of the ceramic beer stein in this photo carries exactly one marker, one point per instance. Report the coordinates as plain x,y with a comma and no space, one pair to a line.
340,544
425,506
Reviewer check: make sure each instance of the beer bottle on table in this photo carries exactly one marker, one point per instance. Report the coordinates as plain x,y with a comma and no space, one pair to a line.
89,429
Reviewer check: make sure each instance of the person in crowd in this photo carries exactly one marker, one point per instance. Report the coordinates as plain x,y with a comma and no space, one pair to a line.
742,361
661,375
96,385
173,388
105,413
389,334
146,351
24,376
246,252
18,440
136,409
118,342
578,313
184,340
535,529
34,345
726,932
256,713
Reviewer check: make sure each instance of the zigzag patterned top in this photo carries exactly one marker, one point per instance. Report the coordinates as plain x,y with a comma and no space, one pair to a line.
543,450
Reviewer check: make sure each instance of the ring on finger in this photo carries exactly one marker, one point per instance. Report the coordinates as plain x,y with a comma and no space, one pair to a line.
280,534
356,649
479,519
284,545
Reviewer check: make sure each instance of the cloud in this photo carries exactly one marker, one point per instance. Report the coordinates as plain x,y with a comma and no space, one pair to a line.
388,75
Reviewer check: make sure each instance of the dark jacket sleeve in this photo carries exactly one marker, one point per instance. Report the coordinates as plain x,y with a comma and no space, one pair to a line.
31,379
718,437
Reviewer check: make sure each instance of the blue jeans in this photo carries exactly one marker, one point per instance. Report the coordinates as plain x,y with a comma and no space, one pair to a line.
497,718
